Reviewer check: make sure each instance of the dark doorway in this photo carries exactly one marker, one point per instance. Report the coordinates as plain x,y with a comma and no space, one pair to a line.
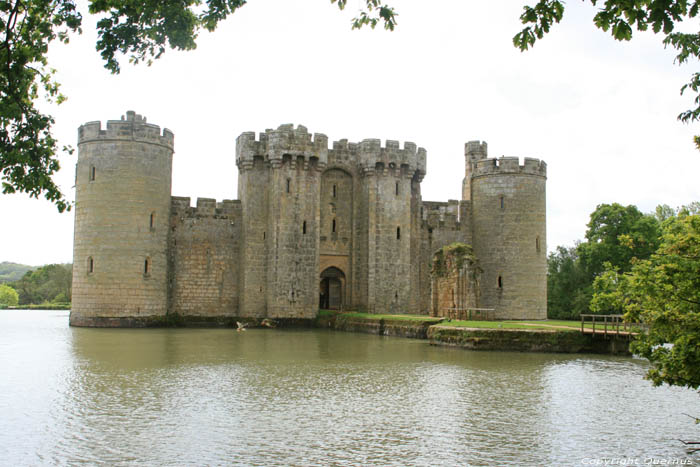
331,289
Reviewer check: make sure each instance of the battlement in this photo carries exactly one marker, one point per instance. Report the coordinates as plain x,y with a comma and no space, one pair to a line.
409,160
206,207
132,127
509,165
285,141
437,214
476,150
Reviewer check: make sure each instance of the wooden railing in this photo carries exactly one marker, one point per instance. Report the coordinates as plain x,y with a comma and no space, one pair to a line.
613,325
471,314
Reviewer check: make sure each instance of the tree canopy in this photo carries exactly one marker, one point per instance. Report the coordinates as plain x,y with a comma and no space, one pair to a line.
663,292
8,296
142,31
47,284
616,237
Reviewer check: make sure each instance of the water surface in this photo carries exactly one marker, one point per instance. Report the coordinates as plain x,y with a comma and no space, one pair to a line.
300,397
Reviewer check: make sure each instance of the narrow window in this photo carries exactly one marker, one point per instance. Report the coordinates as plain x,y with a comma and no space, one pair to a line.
90,265
398,233
333,225
289,181
537,244
264,235
397,188
153,221
303,228
502,202
147,266
500,282
92,173
335,192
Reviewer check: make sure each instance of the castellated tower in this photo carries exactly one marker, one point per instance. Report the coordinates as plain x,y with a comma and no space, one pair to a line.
122,210
509,232
279,188
473,152
388,231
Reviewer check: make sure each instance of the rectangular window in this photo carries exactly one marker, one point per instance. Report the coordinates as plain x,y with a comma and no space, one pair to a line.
92,173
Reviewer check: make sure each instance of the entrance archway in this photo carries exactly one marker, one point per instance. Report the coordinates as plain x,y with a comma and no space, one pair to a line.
331,289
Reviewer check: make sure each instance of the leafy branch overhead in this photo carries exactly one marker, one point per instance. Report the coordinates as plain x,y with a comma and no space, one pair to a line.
621,18
143,30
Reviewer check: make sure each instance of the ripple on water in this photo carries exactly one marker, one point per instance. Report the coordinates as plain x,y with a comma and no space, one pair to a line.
194,397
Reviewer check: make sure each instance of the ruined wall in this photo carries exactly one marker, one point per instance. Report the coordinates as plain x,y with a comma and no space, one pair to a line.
509,233
122,212
455,282
204,257
442,224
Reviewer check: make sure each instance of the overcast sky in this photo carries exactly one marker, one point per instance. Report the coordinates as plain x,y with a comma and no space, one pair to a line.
602,114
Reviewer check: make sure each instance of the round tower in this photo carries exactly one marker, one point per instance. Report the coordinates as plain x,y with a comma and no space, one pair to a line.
122,210
509,235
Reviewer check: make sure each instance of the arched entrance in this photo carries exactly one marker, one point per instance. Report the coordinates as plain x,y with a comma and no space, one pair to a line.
331,289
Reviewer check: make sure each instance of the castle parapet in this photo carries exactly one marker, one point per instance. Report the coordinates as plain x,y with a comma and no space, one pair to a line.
476,149
274,145
410,160
510,165
441,215
132,127
206,207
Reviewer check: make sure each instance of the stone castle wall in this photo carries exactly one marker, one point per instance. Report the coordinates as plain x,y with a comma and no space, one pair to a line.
122,212
509,239
204,249
353,211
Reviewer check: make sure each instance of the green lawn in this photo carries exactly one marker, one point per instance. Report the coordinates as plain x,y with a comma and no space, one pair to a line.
375,316
551,324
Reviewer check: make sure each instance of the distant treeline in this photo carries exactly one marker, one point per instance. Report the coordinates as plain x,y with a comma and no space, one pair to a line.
10,272
46,285
617,237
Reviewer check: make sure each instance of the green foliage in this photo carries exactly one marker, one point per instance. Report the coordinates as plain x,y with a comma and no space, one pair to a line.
8,296
664,293
616,234
375,12
621,18
10,272
27,149
568,288
47,284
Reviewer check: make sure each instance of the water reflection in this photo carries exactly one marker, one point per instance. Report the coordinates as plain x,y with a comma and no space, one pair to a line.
266,397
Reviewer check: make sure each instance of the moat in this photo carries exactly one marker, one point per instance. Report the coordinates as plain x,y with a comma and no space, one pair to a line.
309,397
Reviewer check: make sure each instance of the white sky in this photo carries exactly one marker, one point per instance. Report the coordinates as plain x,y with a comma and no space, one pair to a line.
602,114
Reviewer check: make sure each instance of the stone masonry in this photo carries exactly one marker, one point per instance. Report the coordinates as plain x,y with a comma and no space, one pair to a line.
341,227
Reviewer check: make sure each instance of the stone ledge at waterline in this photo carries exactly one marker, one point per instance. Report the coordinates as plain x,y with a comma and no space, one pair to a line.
527,340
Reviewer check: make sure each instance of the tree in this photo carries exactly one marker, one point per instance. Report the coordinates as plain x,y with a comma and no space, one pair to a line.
50,283
568,288
8,296
616,234
664,293
581,279
621,17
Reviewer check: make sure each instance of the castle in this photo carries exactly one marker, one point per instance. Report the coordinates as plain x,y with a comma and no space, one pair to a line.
313,227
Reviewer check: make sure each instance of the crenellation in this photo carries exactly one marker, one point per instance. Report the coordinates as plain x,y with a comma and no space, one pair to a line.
341,228
509,165
133,128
